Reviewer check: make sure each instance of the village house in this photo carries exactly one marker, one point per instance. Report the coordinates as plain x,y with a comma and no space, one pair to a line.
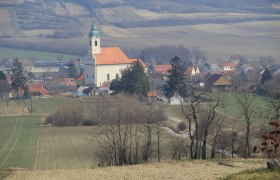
37,90
217,83
228,66
162,69
192,72
235,59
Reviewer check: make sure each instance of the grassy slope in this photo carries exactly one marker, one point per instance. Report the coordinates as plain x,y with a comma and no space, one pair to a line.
234,108
47,105
260,174
33,55
230,102
40,105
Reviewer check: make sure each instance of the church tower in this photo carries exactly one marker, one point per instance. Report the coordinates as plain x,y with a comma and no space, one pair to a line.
94,40
90,62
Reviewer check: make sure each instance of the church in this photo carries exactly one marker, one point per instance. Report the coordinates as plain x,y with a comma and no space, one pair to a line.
103,64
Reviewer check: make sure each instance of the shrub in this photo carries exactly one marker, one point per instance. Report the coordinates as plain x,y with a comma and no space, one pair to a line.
270,145
66,116
182,126
90,122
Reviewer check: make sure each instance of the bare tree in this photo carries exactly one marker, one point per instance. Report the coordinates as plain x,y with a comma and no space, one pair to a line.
273,92
198,55
234,135
218,126
178,149
210,116
126,131
245,101
266,61
191,110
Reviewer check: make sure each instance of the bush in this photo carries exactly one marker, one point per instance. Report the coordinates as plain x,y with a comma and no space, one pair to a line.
90,122
66,116
182,126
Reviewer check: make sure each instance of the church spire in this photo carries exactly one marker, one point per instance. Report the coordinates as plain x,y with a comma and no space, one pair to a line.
93,32
94,40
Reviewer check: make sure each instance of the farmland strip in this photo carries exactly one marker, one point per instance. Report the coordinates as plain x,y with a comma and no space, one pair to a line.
14,144
9,141
38,152
75,150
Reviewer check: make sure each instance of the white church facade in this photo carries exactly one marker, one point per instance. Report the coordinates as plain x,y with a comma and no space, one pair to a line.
103,64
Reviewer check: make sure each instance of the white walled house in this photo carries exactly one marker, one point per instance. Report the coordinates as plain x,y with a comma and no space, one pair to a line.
102,65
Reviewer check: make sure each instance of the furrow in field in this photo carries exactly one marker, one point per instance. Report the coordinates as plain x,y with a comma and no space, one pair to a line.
10,139
60,153
38,153
74,149
66,155
14,144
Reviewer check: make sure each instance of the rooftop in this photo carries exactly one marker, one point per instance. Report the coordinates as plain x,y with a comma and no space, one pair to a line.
112,55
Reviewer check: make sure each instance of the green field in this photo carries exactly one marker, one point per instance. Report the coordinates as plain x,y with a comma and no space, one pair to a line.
26,144
18,141
47,105
39,105
33,55
234,108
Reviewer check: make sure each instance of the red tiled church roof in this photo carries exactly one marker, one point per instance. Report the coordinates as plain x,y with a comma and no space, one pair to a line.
112,55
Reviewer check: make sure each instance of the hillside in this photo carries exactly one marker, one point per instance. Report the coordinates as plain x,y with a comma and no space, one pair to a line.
56,18
62,25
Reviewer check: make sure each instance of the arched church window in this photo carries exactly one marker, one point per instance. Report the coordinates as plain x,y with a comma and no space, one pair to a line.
90,43
96,43
117,76
108,77
87,75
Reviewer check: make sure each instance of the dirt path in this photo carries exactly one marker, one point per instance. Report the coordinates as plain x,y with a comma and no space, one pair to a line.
168,170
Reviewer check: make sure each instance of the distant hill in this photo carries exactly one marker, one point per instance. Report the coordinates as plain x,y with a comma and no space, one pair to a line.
72,18
248,27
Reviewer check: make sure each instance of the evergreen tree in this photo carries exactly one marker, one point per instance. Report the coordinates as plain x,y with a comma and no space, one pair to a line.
72,71
116,86
176,82
18,79
4,86
266,76
134,80
2,75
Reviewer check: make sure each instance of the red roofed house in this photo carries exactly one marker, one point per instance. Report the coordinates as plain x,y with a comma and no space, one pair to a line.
229,66
103,64
162,68
37,90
